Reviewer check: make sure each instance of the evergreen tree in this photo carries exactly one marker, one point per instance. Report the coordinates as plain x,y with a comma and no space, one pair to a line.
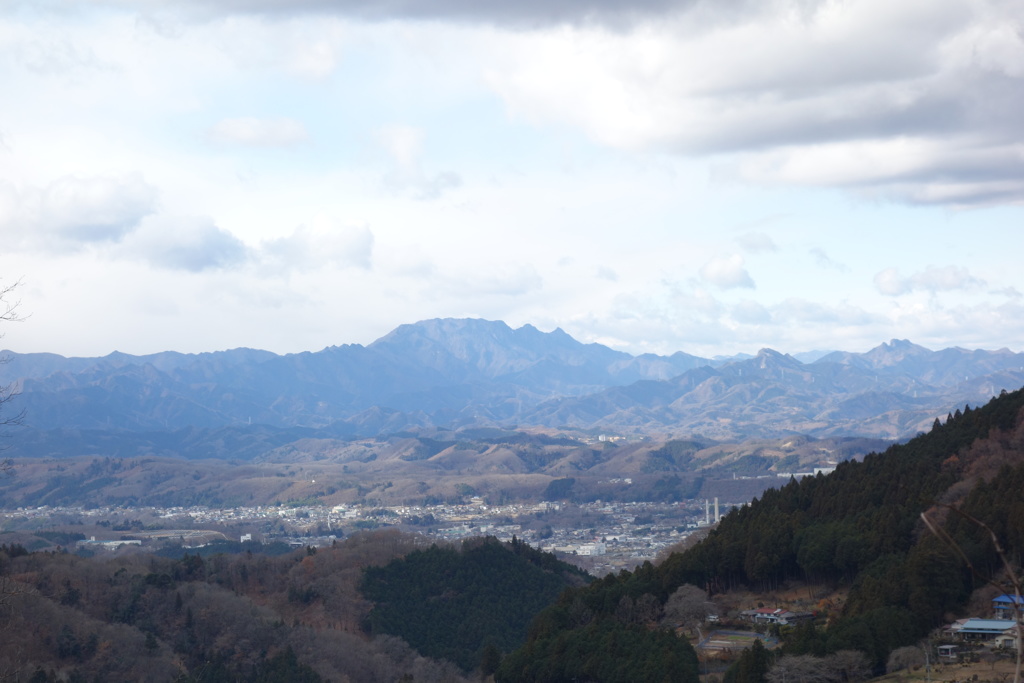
751,667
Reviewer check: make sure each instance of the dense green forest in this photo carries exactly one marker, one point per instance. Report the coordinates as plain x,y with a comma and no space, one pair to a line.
461,605
859,526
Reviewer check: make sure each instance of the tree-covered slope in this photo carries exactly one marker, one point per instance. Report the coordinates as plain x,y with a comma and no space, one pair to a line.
860,526
607,632
836,526
221,618
452,604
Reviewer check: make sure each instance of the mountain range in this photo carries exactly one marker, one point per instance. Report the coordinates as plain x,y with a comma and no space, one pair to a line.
459,373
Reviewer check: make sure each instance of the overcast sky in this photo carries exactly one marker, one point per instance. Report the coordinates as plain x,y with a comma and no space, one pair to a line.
706,176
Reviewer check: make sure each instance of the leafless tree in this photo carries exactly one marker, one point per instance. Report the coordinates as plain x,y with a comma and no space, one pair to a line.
11,592
687,606
802,668
847,666
908,657
850,665
8,314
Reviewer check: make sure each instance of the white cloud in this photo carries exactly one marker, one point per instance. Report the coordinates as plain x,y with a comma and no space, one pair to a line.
1009,292
932,279
504,280
568,144
72,211
916,101
403,145
315,58
756,243
184,243
956,170
804,312
726,272
325,241
751,313
254,132
49,56
822,258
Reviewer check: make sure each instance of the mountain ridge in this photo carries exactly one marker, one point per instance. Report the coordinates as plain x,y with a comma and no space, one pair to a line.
451,373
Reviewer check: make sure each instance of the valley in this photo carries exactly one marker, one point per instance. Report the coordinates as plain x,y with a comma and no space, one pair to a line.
600,538
462,471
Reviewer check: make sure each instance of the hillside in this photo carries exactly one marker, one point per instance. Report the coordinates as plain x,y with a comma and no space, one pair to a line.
300,616
249,616
454,374
879,394
456,604
859,526
259,466
378,606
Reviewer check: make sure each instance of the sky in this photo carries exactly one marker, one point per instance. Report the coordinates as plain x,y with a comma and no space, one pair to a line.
713,177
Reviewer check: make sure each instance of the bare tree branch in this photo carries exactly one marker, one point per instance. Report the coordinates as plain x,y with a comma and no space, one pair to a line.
9,314
944,536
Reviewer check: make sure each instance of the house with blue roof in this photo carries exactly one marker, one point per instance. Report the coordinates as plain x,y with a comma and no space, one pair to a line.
982,629
1007,606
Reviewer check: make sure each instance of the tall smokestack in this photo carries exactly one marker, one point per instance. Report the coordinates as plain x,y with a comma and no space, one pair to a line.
707,511
718,517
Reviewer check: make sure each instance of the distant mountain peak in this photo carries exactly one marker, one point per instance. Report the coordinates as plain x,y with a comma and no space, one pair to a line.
446,371
901,345
771,358
896,352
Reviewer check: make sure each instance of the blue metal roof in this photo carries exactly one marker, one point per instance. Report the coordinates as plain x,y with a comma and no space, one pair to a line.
1009,598
986,625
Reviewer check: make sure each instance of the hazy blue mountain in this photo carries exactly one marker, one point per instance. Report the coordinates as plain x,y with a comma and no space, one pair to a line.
457,373
451,370
893,391
946,367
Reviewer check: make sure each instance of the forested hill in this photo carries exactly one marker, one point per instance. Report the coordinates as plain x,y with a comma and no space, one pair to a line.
838,526
859,526
466,606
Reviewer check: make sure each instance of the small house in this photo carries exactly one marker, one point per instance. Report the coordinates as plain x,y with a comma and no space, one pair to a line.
1007,606
983,629
767,615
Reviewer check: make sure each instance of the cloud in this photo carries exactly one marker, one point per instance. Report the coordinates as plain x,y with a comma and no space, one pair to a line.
191,244
957,170
508,280
606,273
527,14
825,261
49,57
916,101
253,132
325,241
800,312
751,313
1009,292
73,211
726,272
933,279
756,243
403,145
